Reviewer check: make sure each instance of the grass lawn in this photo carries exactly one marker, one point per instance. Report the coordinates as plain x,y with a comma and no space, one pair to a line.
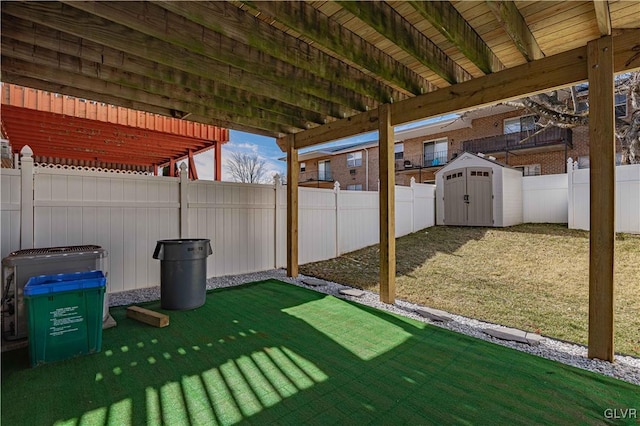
533,277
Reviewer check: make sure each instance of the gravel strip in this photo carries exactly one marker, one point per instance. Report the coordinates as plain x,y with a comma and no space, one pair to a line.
625,368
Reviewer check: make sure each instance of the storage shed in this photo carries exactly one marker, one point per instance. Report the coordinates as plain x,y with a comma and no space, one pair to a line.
473,190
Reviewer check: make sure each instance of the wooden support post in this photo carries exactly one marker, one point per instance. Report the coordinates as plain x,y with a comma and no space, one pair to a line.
26,199
293,171
387,207
172,167
193,170
218,161
602,153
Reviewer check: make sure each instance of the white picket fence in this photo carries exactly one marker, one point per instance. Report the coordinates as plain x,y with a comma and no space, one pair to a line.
126,214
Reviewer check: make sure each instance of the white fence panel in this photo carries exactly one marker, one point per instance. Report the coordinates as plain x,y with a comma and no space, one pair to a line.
424,206
124,214
239,219
628,199
627,209
404,210
358,224
316,224
545,199
10,181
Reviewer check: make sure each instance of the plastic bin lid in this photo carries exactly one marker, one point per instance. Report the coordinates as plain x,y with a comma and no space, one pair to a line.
48,284
53,254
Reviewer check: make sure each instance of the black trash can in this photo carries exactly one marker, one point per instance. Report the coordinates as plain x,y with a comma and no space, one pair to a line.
183,272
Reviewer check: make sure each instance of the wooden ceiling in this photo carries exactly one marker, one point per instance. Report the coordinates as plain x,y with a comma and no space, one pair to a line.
278,68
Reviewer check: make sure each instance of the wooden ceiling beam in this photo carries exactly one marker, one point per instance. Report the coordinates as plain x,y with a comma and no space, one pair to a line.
41,56
232,21
161,26
603,16
448,21
552,72
390,24
177,108
72,21
512,21
38,35
315,25
66,89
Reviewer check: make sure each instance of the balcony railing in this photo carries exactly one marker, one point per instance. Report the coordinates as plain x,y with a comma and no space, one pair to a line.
519,140
432,159
316,175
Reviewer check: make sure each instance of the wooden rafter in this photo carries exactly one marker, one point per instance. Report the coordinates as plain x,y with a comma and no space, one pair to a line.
134,71
101,31
182,32
555,71
183,99
384,19
226,18
59,75
116,100
326,32
446,19
512,21
603,16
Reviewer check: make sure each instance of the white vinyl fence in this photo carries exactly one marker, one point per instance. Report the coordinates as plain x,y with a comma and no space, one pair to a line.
627,209
544,199
126,214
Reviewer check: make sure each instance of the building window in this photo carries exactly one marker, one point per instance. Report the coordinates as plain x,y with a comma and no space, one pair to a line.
354,159
324,170
435,152
529,169
303,167
520,124
357,187
398,149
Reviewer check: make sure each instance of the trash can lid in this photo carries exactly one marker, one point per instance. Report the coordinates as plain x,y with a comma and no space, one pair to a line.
47,284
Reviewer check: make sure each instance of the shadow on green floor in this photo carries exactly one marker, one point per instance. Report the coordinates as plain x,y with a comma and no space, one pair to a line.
271,352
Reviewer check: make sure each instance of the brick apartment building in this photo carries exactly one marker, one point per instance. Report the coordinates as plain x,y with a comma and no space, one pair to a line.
503,132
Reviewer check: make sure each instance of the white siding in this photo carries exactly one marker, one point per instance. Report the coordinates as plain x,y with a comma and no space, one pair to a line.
545,199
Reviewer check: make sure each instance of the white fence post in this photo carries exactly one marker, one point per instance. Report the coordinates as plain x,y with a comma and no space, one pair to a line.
184,201
336,190
26,196
412,184
277,188
570,197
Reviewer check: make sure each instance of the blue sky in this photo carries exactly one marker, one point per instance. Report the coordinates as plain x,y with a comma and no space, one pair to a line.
268,150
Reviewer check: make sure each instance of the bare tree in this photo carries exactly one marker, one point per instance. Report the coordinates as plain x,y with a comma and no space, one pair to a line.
556,110
246,168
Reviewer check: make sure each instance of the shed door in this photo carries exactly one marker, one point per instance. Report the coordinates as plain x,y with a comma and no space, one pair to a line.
468,197
455,188
480,200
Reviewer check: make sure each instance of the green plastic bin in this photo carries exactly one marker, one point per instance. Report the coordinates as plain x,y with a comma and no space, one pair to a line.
65,315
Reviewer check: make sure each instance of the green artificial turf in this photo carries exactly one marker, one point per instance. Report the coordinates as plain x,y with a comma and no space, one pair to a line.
271,352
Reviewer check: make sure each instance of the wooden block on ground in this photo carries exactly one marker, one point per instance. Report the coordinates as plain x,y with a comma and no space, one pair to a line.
147,316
